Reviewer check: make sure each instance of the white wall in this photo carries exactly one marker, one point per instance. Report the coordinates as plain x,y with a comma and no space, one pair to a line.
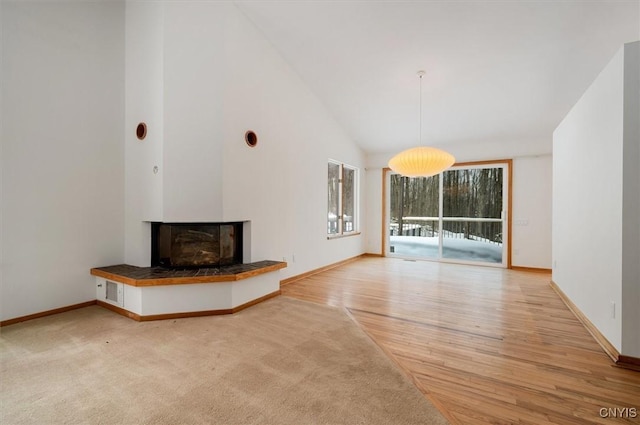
62,151
144,100
1,160
373,208
531,236
194,69
220,78
531,221
174,77
631,203
588,202
281,184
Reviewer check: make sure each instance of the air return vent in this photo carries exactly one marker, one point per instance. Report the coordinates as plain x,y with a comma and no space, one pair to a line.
114,293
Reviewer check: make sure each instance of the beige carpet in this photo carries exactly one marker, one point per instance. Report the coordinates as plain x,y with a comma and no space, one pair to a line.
280,362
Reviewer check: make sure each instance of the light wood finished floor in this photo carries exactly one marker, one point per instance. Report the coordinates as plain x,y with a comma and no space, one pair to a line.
485,345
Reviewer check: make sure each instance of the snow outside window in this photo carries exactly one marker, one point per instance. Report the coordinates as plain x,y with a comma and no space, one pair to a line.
458,215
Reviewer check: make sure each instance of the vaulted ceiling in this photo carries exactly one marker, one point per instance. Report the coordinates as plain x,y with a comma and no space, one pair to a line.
496,71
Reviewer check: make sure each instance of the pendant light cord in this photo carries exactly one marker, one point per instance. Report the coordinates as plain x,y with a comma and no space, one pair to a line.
420,137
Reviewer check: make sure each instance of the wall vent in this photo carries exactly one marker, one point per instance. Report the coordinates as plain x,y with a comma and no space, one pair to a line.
114,293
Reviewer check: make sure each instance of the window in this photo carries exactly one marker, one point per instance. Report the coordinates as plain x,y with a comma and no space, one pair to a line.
342,211
460,215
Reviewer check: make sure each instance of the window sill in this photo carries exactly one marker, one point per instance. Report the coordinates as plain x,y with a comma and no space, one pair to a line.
345,235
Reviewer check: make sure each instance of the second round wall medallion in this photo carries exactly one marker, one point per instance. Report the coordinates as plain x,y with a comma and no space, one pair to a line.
141,131
251,138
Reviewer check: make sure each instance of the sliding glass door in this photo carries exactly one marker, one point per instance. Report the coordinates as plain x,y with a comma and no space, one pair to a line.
414,223
458,215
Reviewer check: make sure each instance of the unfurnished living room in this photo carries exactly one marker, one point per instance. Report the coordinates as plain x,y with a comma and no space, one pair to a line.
320,212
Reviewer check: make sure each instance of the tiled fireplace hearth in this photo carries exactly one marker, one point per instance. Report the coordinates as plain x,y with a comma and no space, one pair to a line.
197,278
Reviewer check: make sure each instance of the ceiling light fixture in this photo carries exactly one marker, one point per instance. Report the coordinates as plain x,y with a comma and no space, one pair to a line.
422,161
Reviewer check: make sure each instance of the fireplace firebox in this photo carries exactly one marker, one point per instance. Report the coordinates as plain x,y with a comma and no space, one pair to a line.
196,245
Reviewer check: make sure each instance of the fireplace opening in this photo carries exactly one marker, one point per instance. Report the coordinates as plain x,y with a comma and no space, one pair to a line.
196,245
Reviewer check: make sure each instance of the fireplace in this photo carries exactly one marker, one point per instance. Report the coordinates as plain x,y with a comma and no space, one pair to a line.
196,245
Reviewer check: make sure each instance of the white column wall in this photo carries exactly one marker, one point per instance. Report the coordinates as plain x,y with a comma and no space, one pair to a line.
194,70
587,202
631,203
144,103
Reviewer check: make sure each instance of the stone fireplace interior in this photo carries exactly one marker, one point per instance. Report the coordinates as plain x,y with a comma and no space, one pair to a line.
196,245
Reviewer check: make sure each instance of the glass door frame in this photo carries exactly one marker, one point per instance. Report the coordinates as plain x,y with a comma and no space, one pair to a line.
507,197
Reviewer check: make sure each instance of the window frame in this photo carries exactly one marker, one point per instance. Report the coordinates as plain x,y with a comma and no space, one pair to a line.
340,221
507,215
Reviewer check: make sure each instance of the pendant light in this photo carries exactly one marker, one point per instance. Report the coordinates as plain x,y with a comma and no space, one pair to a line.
422,161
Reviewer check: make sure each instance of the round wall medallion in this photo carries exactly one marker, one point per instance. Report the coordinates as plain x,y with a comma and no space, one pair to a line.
141,131
251,138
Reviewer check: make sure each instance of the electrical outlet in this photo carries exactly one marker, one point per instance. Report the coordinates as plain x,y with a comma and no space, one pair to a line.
293,258
612,309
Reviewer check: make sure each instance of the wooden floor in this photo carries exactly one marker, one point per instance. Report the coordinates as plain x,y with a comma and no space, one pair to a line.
485,345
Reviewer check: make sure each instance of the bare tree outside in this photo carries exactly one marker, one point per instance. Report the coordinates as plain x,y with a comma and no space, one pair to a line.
472,206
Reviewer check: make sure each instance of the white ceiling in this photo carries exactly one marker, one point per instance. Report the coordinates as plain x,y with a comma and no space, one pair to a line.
496,71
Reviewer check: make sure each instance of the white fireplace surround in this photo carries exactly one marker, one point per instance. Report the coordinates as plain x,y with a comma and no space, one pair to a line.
213,298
